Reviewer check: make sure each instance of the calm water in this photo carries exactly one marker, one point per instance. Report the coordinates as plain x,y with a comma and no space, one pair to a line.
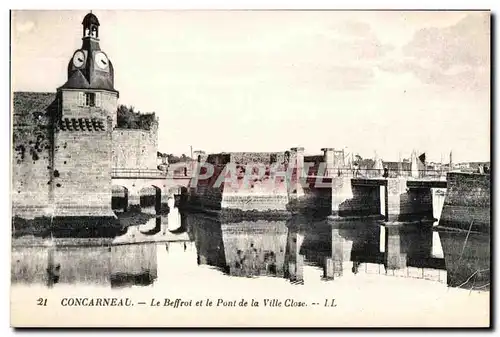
299,250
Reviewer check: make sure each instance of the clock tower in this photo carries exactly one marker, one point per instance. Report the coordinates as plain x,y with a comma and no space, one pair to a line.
82,146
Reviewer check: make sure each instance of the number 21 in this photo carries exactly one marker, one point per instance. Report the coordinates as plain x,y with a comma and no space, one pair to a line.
41,301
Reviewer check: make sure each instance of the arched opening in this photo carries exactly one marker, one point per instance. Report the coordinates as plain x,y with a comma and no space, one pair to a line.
150,204
119,198
150,199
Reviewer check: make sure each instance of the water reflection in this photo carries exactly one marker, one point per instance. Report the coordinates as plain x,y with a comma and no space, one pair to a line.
283,249
467,259
117,266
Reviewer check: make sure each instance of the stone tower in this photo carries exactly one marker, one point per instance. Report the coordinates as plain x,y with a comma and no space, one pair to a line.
82,146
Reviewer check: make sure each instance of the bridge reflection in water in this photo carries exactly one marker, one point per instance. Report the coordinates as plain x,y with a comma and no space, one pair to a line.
300,249
288,248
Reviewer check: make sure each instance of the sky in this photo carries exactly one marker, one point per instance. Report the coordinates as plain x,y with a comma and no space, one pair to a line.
372,82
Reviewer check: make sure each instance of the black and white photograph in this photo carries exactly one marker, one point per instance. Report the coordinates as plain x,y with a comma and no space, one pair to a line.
250,168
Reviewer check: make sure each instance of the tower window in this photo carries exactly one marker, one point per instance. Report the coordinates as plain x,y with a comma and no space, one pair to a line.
89,99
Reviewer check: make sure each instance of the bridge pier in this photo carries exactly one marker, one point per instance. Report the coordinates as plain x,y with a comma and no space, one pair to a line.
407,201
356,197
329,160
342,193
396,199
134,199
297,162
391,199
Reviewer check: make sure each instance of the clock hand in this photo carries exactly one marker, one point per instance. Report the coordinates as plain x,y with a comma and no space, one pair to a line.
103,62
79,59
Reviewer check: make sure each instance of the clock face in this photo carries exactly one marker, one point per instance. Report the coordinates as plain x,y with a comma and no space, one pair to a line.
101,60
79,59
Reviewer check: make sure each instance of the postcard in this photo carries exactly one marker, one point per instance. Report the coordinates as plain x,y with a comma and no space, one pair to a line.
250,168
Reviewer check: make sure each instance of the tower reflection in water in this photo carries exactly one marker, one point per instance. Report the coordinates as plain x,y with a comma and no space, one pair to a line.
115,266
285,248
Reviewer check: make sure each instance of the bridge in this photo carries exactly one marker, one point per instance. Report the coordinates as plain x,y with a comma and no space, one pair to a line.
390,199
146,189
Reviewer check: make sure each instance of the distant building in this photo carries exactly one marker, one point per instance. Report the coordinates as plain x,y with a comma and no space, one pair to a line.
396,166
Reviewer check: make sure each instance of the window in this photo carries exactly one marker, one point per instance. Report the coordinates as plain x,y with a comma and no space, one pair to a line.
89,99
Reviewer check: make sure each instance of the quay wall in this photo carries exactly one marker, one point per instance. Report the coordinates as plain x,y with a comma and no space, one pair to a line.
467,202
231,188
317,196
264,193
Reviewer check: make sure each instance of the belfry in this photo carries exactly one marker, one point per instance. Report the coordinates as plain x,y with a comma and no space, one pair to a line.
82,146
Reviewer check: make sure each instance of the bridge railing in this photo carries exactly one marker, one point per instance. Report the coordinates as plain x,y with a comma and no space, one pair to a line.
185,172
146,173
379,173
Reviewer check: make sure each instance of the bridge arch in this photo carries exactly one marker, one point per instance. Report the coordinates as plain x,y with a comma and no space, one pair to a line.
150,199
119,198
